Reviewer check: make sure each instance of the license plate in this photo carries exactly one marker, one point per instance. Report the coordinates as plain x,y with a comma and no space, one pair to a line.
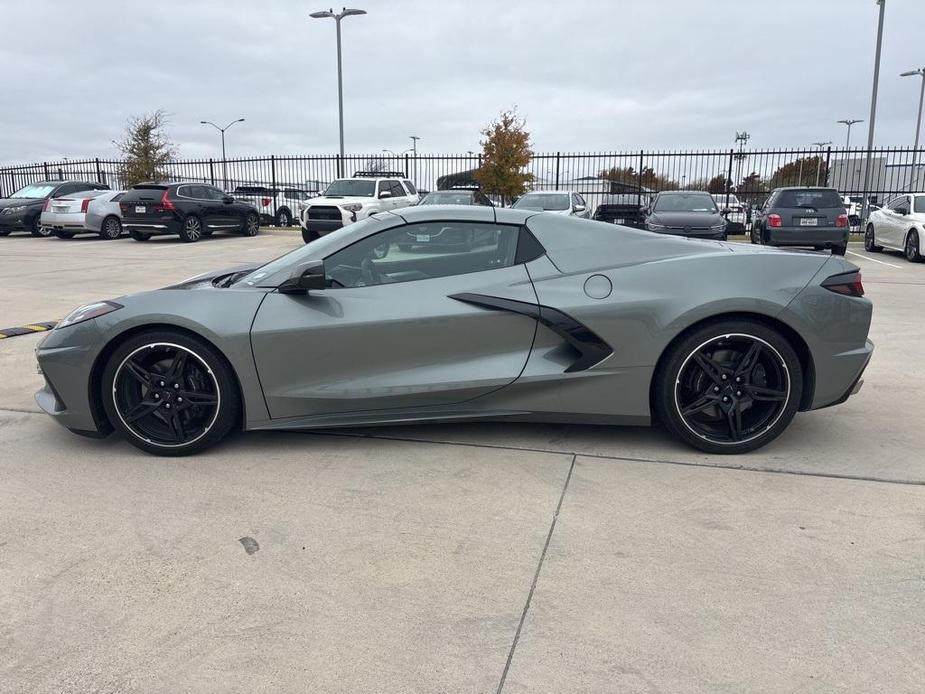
59,209
808,222
140,209
422,238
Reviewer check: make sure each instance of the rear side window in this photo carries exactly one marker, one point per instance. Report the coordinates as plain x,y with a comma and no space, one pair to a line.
820,199
397,190
410,186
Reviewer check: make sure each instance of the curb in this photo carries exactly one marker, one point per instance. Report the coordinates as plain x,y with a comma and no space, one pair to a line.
26,329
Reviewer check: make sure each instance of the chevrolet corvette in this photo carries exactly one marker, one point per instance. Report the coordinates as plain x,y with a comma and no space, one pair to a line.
537,317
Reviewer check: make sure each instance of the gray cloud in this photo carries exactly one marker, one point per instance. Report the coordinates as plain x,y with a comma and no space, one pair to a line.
587,74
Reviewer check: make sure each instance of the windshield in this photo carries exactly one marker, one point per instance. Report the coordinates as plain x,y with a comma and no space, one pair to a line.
36,190
543,201
721,200
447,199
685,202
352,188
818,199
317,249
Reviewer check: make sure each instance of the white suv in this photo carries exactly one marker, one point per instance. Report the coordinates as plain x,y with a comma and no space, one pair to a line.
349,200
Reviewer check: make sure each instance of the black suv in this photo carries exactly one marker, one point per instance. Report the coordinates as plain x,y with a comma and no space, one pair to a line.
22,211
187,210
813,217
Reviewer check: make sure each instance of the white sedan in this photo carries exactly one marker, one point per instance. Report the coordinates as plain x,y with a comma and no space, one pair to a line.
898,226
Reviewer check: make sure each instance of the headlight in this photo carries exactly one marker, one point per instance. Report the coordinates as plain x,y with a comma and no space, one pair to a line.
718,227
352,207
88,312
15,208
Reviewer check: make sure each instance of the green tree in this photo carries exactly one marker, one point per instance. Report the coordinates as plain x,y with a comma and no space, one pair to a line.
146,149
506,153
800,172
718,184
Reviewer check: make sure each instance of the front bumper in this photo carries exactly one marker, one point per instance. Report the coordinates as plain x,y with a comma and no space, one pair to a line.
711,234
16,221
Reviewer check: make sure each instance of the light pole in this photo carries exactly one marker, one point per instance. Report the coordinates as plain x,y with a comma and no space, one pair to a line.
820,145
845,174
918,123
337,17
222,131
873,112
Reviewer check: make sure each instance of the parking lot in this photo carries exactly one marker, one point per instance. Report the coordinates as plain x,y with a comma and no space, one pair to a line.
477,557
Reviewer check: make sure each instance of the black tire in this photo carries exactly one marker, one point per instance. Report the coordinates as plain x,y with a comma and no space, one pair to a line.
766,397
191,229
250,225
5,232
283,218
870,240
62,234
911,248
131,384
139,235
37,230
840,250
111,228
309,236
754,235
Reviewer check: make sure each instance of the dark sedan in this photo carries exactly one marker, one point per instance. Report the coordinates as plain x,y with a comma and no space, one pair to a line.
22,211
686,213
187,210
810,217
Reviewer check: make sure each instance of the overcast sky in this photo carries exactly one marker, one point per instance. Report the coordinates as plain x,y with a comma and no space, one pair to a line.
588,75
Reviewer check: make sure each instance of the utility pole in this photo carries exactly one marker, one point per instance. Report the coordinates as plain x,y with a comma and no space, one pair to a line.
873,113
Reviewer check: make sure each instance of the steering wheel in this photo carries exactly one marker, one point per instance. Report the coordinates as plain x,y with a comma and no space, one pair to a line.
370,273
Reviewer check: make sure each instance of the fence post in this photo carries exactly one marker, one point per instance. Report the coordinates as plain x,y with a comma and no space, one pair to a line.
828,157
211,171
45,169
99,173
639,175
557,170
273,170
12,182
729,171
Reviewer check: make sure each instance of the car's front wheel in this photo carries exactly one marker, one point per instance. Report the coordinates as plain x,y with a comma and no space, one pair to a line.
730,386
912,247
170,393
283,218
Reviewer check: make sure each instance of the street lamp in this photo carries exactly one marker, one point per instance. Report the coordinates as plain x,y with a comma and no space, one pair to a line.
337,17
397,156
820,145
222,131
918,123
849,122
873,111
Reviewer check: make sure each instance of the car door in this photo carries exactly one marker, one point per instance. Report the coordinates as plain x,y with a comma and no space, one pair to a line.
387,332
225,216
892,234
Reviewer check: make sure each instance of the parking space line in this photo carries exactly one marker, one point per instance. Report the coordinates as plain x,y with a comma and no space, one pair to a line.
867,257
26,329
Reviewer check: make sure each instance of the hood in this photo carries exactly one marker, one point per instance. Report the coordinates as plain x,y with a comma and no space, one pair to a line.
16,202
338,200
686,219
216,278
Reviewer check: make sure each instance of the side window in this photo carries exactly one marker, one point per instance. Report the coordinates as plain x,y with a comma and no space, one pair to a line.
187,191
410,186
423,251
67,189
212,193
581,200
384,186
397,190
900,203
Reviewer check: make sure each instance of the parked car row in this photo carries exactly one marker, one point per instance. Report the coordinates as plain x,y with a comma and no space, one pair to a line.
68,208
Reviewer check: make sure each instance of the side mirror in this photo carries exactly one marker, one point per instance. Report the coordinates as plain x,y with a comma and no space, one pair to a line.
227,199
305,278
580,208
385,194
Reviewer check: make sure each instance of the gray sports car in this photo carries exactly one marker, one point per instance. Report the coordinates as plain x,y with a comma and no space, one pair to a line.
542,318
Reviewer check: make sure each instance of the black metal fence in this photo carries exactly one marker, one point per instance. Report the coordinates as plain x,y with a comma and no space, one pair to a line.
749,174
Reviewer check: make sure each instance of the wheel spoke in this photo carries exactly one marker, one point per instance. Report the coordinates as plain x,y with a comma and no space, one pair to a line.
176,428
713,370
699,405
749,359
177,366
138,373
766,394
734,418
195,398
142,409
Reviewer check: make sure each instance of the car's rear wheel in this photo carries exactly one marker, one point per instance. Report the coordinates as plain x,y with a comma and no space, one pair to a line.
5,232
840,250
111,228
170,393
62,234
283,218
191,229
755,238
38,230
139,235
251,224
728,387
912,247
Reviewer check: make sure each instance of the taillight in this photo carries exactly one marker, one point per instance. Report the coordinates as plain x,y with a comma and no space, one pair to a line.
47,203
167,203
774,220
847,283
265,201
84,204
841,220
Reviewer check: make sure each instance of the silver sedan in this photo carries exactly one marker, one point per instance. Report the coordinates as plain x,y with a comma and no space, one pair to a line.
88,212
